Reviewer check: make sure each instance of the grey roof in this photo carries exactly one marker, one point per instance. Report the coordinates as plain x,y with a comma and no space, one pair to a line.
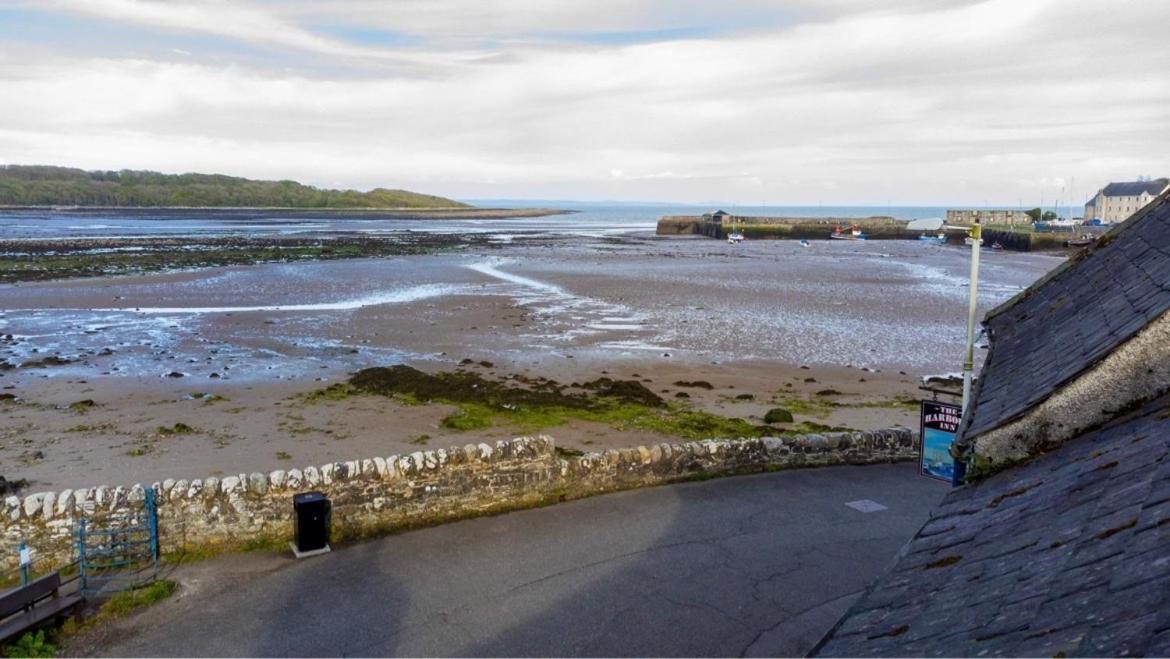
1135,188
1069,553
1072,318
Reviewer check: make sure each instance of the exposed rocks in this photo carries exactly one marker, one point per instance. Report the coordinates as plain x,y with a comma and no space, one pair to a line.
462,387
8,487
51,360
627,390
778,415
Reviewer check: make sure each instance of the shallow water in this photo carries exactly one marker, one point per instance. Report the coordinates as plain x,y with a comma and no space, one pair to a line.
590,286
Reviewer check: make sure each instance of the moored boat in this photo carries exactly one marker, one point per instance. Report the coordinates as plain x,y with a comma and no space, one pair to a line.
854,233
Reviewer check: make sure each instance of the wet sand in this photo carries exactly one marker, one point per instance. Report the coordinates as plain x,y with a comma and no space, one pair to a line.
264,426
769,320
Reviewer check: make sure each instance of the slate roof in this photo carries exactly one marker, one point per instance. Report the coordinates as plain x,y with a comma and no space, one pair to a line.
1135,188
1073,317
1069,553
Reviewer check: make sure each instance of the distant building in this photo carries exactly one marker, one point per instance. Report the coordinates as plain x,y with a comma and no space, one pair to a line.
987,217
718,216
1117,201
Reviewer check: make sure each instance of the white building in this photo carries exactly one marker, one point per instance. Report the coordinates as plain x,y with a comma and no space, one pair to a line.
1117,201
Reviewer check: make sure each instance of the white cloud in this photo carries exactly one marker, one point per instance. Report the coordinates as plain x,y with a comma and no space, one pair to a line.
893,103
235,20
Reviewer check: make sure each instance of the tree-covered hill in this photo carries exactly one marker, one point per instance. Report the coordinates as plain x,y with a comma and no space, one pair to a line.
36,185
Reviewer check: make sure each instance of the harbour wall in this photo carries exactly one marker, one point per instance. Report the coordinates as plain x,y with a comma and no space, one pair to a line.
969,217
1022,241
379,495
875,228
781,228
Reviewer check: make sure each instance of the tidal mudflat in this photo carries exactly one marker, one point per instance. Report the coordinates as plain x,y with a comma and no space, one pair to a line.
189,373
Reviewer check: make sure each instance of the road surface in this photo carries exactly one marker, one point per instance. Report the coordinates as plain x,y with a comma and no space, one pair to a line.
745,566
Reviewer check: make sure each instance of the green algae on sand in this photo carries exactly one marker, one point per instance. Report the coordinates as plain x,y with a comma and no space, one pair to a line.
535,404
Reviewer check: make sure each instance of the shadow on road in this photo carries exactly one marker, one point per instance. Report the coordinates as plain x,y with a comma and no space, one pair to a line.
750,565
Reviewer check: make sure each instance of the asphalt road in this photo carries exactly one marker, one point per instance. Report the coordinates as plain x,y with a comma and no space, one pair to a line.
755,565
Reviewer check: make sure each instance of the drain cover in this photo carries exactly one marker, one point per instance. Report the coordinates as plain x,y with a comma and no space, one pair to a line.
866,506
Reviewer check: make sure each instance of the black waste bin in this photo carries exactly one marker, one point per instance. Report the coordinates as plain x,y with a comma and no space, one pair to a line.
313,514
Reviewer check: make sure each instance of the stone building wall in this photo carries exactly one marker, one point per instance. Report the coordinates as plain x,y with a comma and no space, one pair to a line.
1112,210
378,495
966,217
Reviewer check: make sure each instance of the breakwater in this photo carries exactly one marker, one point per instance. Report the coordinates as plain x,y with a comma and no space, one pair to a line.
379,495
1028,241
874,228
782,228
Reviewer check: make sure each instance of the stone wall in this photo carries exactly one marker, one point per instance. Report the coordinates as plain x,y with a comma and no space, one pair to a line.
680,225
1134,372
378,495
965,217
783,228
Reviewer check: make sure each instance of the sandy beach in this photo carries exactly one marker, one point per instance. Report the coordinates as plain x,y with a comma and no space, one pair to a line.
196,373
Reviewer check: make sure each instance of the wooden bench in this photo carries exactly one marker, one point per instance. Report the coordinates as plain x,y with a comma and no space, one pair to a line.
23,608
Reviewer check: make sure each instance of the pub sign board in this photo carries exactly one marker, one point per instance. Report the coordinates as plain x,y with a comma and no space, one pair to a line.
939,423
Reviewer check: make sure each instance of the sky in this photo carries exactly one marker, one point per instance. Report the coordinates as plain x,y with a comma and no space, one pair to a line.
754,102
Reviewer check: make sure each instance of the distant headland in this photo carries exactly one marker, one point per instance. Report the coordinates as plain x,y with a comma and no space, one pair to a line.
66,188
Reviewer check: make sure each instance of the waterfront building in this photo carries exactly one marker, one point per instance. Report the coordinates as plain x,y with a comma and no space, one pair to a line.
1117,201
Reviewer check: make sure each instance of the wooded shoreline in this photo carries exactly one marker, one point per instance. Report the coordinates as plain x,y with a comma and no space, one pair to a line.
260,212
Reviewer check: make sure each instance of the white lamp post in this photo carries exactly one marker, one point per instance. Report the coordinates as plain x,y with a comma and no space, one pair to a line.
969,361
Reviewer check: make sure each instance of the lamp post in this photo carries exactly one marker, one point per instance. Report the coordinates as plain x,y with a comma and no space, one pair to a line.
960,471
969,360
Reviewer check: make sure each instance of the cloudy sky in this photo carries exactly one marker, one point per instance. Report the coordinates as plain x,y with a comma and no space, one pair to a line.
751,102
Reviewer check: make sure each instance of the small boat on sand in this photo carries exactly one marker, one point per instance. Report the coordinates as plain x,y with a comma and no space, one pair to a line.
853,233
1084,239
733,238
805,243
940,238
996,246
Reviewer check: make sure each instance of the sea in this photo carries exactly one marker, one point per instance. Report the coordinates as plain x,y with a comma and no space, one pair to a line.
588,219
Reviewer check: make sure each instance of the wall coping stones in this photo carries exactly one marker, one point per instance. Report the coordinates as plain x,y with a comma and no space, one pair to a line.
420,487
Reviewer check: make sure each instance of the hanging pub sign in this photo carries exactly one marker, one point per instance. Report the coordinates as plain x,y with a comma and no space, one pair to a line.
939,423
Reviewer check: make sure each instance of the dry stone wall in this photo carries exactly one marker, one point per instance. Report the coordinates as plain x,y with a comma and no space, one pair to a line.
426,487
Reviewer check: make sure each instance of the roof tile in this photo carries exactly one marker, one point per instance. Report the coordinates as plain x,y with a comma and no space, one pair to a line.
1068,553
1084,310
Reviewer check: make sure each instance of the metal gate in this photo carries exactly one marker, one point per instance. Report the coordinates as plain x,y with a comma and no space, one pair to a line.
119,552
